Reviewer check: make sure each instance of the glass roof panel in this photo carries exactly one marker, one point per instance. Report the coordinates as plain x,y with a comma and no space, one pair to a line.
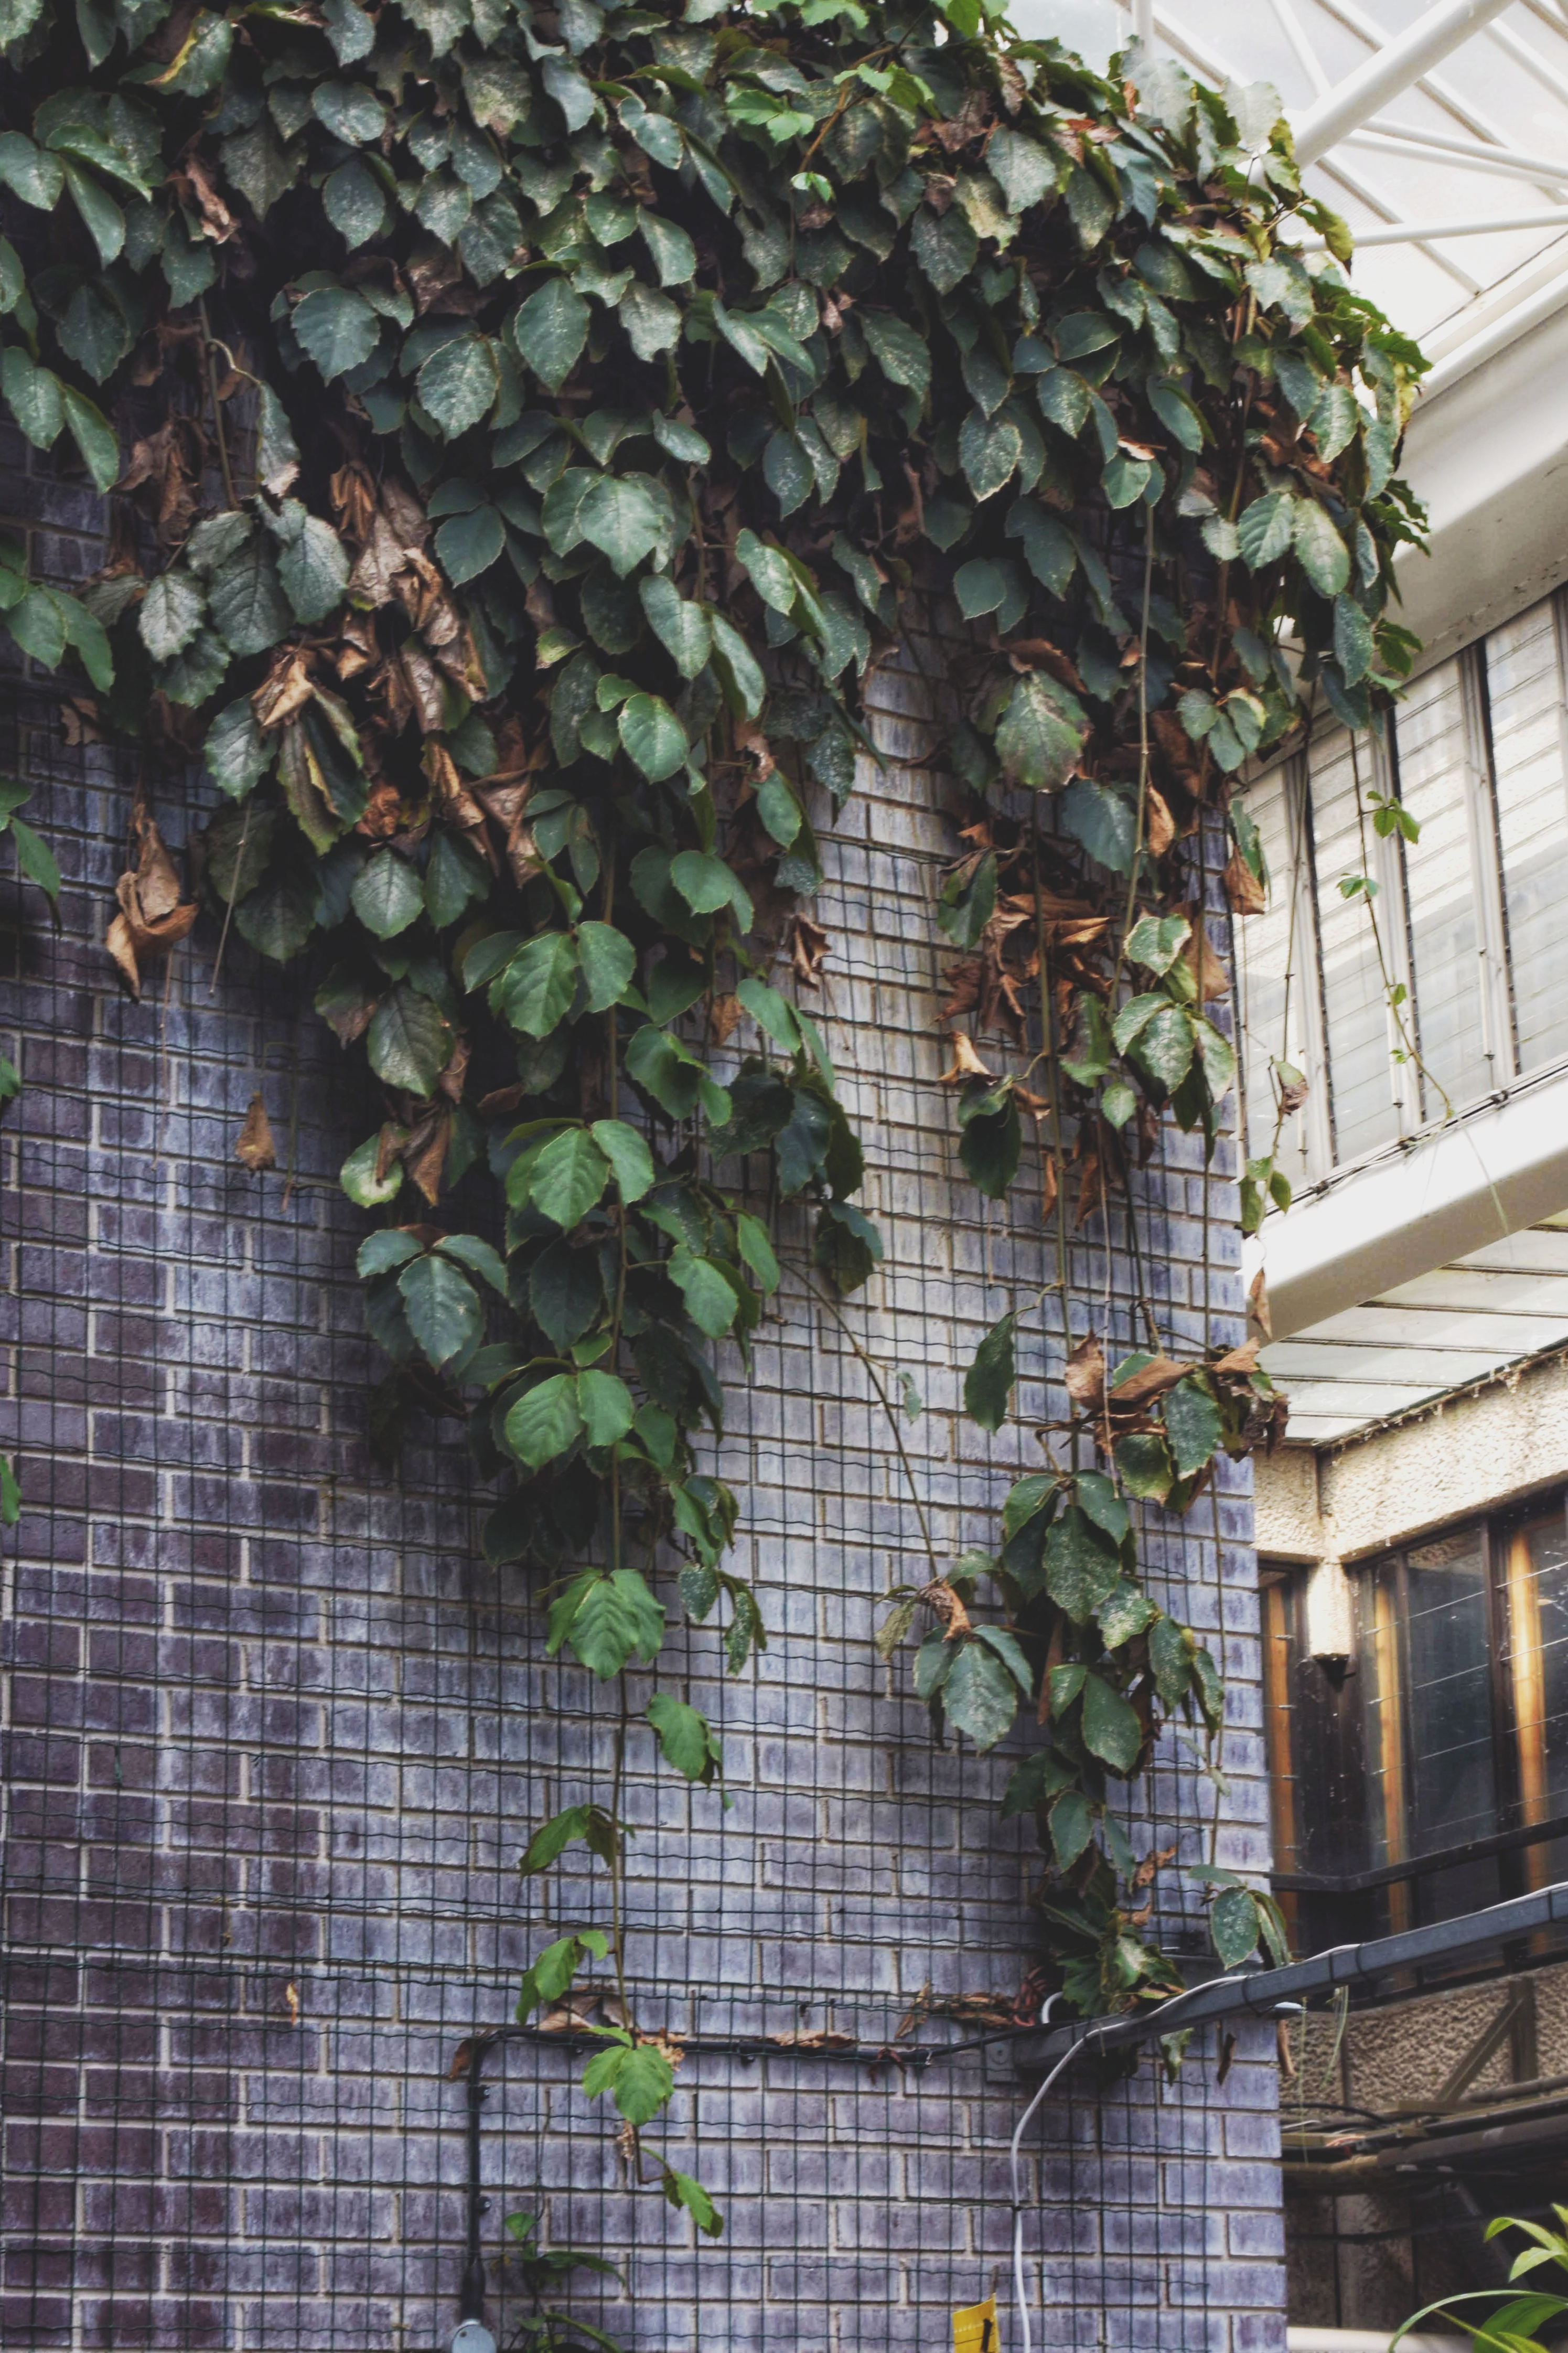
1504,90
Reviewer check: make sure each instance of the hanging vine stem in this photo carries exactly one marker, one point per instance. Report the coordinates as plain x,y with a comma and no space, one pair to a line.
874,1376
1364,887
208,347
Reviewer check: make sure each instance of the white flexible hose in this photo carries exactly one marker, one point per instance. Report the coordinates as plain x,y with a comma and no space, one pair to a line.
1069,2055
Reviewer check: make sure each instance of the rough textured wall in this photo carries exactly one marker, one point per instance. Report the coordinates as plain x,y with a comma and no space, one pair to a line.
1461,1455
1368,2258
277,1734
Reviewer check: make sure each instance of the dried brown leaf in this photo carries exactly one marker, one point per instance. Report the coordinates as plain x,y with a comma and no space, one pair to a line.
1144,1874
423,1153
1151,1380
806,945
195,183
1257,1312
254,1142
1245,892
966,1063
723,1015
750,739
373,578
384,812
284,692
157,878
122,947
1198,956
1049,1181
1160,826
353,491
939,1596
1084,1373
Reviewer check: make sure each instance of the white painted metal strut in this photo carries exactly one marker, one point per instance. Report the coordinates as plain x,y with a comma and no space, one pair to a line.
1418,232
1465,155
1422,45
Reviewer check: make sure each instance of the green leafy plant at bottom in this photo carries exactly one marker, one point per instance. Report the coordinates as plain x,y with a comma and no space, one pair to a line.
1515,2324
547,2329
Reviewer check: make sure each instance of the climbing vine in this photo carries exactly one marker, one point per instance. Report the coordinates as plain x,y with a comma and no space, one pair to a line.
528,425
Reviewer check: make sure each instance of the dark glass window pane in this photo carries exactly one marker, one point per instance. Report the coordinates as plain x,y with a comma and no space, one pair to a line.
1381,1716
1453,1793
1538,1656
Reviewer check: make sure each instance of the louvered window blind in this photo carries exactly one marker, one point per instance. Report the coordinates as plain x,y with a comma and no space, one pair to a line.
1450,980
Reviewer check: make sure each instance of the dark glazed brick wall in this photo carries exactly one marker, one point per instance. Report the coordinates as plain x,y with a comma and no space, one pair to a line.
276,1735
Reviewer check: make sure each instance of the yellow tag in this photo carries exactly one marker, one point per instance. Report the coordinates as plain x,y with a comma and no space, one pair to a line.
974,2329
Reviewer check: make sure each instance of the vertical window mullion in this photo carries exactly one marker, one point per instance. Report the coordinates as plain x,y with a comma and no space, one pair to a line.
1481,805
1512,1715
1318,1130
1394,928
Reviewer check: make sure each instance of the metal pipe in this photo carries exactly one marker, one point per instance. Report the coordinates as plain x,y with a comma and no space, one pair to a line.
1421,1866
1366,28
1422,45
1368,2340
472,2293
1257,1992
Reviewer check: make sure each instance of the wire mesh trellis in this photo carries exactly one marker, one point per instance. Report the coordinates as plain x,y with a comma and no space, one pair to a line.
278,1735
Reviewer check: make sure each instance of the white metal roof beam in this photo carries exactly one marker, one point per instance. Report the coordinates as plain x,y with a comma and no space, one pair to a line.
1391,69
1531,59
1418,232
1433,85
1468,155
1307,57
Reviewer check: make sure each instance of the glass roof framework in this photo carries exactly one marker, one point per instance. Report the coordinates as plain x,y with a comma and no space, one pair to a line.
1479,138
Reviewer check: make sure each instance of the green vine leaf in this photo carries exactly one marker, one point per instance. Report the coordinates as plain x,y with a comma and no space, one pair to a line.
1194,1427
591,1824
545,1422
409,1040
1235,1926
639,2078
569,1176
607,1619
442,1307
980,1694
988,1384
686,1738
1111,1729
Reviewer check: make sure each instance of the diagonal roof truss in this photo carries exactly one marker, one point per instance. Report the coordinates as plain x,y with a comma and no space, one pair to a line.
1439,132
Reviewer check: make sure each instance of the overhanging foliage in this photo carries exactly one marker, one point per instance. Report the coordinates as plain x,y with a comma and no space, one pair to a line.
538,419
